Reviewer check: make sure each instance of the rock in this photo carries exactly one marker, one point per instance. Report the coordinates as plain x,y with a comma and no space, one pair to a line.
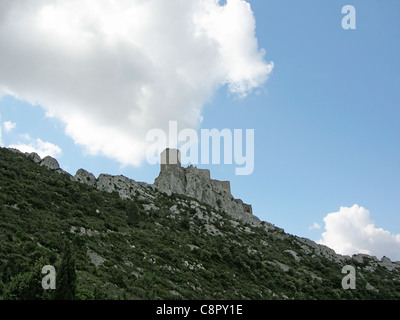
284,267
95,258
248,230
196,183
150,207
388,264
73,229
15,150
212,230
85,177
175,293
359,257
126,188
294,254
370,287
50,163
310,247
82,231
193,247
174,209
369,268
15,207
234,223
34,156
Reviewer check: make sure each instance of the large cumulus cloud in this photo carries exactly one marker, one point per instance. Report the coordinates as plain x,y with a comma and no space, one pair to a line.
351,230
113,69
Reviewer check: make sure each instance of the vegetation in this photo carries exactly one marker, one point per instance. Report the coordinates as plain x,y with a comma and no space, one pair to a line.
105,247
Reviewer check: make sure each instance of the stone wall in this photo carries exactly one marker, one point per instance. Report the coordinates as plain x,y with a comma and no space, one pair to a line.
222,185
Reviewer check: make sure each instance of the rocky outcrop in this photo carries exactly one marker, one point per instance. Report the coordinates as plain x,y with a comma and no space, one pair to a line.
86,177
385,262
125,187
369,263
34,156
311,248
196,183
50,163
31,155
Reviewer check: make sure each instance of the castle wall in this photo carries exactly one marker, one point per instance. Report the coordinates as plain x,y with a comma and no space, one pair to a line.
221,185
248,208
198,184
205,173
202,172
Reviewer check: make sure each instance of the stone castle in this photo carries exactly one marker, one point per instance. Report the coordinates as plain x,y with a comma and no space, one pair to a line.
171,158
196,183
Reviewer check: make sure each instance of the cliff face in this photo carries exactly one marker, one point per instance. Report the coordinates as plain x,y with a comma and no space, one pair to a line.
196,183
192,182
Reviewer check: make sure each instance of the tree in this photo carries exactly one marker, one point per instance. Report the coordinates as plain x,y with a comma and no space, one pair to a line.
26,285
185,224
132,213
66,276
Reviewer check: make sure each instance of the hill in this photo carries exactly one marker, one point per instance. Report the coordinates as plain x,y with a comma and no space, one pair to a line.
114,238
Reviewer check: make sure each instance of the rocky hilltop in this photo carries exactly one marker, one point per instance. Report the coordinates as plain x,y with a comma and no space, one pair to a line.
173,178
184,226
196,183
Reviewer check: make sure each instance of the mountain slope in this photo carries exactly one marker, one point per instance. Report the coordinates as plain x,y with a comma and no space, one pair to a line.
130,240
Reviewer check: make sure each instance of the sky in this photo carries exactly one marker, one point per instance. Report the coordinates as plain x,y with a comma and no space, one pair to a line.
84,81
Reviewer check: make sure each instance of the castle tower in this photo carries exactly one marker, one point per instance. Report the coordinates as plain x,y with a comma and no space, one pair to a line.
170,157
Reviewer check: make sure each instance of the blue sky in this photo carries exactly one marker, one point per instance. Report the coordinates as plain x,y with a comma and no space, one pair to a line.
326,121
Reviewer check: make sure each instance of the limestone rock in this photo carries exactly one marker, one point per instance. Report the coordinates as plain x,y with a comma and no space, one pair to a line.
86,177
284,267
150,207
360,257
95,258
310,247
294,254
126,188
370,287
121,184
196,183
34,156
174,209
50,163
388,264
15,150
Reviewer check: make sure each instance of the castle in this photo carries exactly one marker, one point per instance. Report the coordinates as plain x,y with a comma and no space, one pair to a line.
196,183
172,157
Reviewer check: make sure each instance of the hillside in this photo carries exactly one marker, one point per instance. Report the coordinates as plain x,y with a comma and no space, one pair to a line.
114,238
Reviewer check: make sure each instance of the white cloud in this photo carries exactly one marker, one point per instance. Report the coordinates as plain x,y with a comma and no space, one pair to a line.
42,148
8,125
350,231
314,226
111,70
